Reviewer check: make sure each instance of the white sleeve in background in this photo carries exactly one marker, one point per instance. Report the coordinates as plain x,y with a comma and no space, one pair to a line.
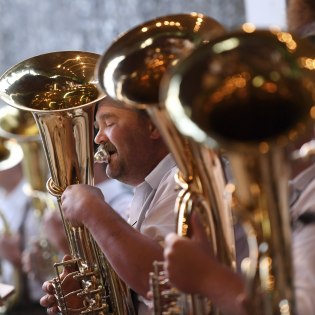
304,266
303,240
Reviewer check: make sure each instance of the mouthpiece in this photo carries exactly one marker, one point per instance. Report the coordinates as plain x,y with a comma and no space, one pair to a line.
101,155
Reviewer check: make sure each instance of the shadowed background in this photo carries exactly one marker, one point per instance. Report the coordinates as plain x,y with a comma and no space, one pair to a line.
30,28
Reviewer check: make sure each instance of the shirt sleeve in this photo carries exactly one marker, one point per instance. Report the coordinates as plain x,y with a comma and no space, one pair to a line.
304,269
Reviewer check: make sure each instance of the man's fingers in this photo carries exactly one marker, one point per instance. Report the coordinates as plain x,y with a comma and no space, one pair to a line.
69,265
48,301
48,287
52,310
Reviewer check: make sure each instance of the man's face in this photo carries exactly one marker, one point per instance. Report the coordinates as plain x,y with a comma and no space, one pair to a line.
127,135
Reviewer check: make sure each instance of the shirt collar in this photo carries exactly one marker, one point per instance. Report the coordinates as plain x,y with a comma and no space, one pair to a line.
304,178
300,183
156,175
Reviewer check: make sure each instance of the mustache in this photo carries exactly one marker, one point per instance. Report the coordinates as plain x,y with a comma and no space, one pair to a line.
109,148
104,152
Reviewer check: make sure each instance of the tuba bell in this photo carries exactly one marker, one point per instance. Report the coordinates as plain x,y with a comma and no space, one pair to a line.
60,91
130,71
252,94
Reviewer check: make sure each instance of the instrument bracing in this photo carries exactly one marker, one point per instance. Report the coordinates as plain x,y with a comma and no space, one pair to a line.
252,94
59,89
130,71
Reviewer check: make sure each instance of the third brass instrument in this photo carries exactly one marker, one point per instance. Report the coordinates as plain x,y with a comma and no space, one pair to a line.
60,91
130,71
252,93
21,126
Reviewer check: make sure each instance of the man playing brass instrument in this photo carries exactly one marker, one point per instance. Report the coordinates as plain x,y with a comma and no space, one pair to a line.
139,157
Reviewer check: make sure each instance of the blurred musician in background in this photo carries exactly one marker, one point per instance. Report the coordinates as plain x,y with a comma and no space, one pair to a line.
19,228
138,157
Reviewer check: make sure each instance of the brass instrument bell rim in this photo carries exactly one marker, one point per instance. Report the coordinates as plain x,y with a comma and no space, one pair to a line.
5,112
142,35
182,119
44,111
145,29
19,138
8,77
15,155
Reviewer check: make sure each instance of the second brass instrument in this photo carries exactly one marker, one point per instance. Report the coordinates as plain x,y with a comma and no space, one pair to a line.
252,94
60,91
130,71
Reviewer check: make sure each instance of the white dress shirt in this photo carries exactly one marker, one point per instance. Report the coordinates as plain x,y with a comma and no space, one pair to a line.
152,208
117,195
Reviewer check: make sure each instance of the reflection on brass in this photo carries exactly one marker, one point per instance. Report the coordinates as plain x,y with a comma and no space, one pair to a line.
133,66
71,96
131,71
60,91
250,95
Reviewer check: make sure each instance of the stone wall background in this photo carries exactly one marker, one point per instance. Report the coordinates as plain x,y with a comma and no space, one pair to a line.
32,27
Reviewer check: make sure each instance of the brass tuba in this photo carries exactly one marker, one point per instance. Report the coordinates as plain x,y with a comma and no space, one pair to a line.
252,94
60,91
130,71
